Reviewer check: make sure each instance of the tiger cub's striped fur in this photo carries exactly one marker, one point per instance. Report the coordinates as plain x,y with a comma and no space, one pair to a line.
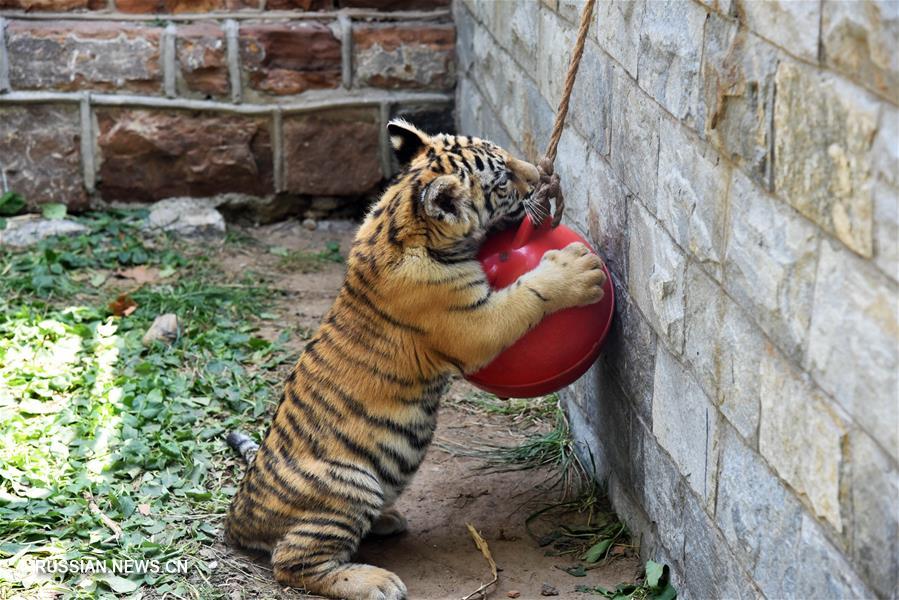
360,407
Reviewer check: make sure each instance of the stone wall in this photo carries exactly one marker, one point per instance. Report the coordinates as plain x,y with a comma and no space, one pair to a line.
735,163
277,103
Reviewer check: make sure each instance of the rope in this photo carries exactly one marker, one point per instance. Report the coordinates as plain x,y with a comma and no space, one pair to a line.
549,187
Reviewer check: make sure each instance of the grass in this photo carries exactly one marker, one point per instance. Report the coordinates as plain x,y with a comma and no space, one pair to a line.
307,262
110,450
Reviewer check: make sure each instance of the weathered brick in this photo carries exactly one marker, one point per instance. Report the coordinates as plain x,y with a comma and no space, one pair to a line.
182,6
857,38
770,265
670,52
738,95
635,138
202,57
74,55
150,155
47,5
692,195
685,424
824,131
299,4
40,154
395,4
853,346
404,55
791,24
285,59
332,154
617,30
724,350
801,436
873,508
656,274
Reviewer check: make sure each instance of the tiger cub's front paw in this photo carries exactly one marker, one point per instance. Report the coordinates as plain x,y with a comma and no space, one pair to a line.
574,274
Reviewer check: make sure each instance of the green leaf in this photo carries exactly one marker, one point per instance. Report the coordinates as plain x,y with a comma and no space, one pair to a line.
597,551
11,203
577,571
654,572
667,593
53,210
119,585
2,223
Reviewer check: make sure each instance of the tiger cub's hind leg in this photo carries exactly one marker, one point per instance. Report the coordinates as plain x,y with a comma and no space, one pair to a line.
318,563
389,522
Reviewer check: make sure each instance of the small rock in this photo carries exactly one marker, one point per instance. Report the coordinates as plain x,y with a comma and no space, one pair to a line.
513,593
164,329
310,224
235,595
27,230
549,590
186,217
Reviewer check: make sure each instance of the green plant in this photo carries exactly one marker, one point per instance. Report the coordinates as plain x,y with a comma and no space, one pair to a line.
656,585
307,262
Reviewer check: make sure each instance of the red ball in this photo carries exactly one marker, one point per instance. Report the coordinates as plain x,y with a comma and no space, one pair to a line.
564,344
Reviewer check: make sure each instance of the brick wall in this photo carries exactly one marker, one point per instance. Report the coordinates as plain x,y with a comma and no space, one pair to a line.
277,103
736,164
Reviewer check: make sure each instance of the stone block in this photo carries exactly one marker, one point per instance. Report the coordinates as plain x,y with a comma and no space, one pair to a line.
29,229
685,423
711,570
617,30
886,151
40,154
824,129
872,504
321,162
801,436
853,345
824,572
404,55
552,65
284,59
656,275
663,498
635,138
518,34
591,99
791,24
606,215
75,55
147,155
691,195
886,229
758,517
630,352
670,53
856,39
724,349
738,92
203,65
772,255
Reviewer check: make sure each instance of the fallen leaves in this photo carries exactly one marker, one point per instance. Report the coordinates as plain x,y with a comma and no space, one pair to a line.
123,305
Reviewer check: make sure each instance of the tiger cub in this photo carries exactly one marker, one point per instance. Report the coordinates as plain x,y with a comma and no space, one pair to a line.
360,407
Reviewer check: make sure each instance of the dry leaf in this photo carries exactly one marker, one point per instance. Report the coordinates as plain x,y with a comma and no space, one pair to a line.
143,509
140,274
123,306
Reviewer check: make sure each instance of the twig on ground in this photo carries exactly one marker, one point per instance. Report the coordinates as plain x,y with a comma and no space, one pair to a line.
92,505
481,544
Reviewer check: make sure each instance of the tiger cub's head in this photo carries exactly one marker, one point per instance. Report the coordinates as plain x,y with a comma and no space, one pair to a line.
461,187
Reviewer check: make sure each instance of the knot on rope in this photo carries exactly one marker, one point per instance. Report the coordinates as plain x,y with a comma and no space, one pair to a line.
549,188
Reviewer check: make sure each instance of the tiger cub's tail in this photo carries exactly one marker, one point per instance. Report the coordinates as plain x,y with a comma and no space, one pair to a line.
244,445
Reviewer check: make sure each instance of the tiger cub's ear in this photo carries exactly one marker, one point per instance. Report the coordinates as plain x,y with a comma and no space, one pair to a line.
443,198
406,139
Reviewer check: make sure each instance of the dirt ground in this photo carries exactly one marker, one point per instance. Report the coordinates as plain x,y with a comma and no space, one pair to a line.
436,558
